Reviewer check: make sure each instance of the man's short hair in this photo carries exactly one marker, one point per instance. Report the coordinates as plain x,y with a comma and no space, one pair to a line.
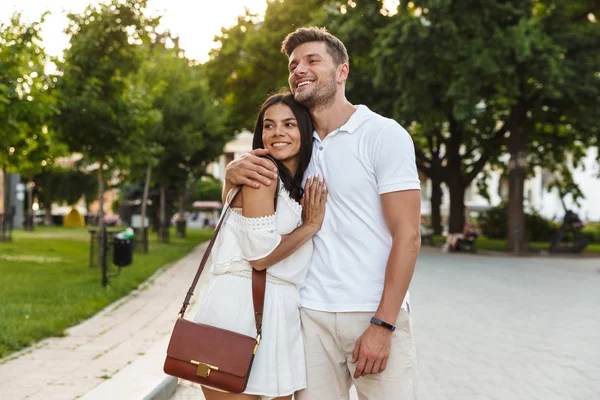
335,47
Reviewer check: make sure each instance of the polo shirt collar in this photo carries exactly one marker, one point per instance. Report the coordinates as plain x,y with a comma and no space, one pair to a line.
361,115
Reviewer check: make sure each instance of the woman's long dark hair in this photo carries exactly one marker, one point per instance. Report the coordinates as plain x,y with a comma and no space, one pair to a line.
293,184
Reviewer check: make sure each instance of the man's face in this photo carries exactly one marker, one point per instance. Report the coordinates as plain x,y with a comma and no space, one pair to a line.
312,74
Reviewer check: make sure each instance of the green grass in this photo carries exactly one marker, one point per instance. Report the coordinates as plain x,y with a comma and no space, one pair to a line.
46,285
485,244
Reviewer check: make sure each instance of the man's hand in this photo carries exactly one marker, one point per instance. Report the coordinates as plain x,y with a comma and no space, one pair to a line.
372,351
251,170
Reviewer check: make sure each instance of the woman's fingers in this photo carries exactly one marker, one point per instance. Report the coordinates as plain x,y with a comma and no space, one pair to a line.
319,195
314,190
307,187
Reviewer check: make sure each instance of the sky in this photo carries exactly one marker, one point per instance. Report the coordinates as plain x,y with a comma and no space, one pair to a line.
195,21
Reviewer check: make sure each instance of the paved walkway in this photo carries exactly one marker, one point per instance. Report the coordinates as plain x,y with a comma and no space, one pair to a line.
503,328
94,352
487,328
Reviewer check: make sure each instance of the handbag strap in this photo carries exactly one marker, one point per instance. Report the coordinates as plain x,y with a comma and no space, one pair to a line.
259,278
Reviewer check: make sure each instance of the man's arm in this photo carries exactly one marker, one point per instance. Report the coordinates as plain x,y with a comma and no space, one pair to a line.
402,213
251,169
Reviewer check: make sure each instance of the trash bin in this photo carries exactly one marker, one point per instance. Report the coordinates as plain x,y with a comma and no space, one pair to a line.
123,248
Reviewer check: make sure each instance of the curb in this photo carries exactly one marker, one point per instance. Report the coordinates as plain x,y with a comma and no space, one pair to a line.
164,390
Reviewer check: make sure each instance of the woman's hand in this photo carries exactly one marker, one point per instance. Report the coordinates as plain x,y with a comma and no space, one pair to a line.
313,202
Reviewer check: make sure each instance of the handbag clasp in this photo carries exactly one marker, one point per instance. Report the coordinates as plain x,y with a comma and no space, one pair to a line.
204,369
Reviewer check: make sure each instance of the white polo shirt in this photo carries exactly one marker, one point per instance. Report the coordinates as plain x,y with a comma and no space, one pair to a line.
368,156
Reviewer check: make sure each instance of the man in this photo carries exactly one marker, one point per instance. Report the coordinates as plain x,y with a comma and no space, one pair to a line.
355,307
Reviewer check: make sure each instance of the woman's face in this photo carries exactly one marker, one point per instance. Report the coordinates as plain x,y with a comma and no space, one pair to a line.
281,135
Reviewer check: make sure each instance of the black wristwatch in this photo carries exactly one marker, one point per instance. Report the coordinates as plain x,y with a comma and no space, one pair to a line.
379,322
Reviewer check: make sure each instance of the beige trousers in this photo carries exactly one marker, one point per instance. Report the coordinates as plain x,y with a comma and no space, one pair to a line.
329,340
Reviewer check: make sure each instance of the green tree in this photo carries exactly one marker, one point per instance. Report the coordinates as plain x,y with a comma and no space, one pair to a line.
95,115
38,154
25,101
431,51
249,64
553,92
55,184
450,72
209,189
189,134
143,94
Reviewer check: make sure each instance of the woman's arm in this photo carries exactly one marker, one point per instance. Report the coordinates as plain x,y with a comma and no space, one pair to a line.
288,245
260,203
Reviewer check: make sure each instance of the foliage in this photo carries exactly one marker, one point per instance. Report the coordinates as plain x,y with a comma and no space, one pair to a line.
249,64
209,189
592,232
189,134
64,185
96,118
472,80
26,103
494,225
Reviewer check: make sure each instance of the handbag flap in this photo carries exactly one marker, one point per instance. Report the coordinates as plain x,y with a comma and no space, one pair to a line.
231,352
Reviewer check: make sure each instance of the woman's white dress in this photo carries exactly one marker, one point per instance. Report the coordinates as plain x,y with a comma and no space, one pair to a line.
279,368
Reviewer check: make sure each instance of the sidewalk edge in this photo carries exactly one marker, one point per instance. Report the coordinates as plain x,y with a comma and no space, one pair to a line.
164,390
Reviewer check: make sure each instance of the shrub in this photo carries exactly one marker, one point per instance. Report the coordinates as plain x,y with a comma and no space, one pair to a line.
592,232
494,225
539,229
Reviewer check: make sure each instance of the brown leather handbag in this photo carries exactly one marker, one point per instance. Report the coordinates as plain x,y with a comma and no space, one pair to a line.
212,356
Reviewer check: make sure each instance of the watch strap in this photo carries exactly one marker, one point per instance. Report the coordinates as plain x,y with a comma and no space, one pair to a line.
384,324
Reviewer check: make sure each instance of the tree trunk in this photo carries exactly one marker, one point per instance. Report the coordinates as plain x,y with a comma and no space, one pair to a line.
6,206
29,215
436,203
517,146
163,233
181,218
101,232
143,231
457,205
454,178
48,215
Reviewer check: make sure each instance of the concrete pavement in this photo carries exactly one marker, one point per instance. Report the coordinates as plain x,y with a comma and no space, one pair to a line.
503,328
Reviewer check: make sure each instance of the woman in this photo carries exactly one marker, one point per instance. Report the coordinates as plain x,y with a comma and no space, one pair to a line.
255,236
